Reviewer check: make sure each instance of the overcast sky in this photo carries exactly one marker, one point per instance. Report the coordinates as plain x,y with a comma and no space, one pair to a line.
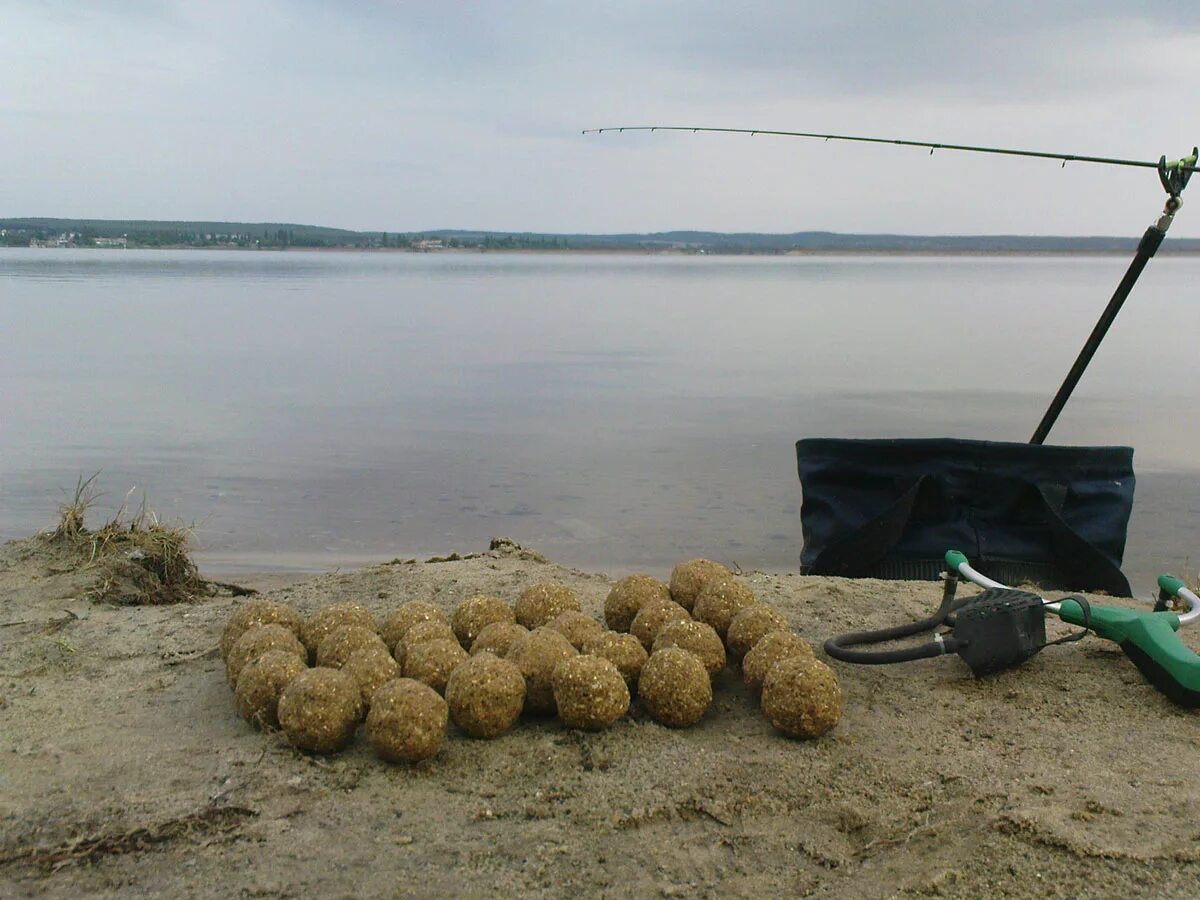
403,116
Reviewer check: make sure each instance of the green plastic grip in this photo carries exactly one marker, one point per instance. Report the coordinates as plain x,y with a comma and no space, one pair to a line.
1170,584
955,559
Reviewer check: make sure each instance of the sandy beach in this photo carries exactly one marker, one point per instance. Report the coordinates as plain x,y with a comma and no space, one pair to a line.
128,772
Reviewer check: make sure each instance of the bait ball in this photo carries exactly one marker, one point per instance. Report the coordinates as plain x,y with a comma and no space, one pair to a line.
770,649
628,596
421,633
475,614
696,638
801,697
432,662
319,710
261,683
576,627
653,616
720,600
407,721
340,643
406,616
497,638
257,612
688,579
328,619
542,602
748,627
675,687
257,641
486,695
589,692
371,667
622,650
536,654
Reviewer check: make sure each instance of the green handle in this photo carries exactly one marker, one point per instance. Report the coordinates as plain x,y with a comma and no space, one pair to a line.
955,559
1170,584
1150,640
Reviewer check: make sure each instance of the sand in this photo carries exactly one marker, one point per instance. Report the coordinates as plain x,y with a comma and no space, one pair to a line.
126,770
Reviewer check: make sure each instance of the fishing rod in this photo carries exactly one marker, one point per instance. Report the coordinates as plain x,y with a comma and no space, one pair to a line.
1173,175
1187,165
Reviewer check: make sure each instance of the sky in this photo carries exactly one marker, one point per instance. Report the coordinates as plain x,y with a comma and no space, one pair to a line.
402,116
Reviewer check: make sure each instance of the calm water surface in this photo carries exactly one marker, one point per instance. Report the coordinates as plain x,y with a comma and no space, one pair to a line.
320,409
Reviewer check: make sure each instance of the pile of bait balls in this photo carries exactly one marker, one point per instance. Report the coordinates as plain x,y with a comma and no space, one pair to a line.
317,678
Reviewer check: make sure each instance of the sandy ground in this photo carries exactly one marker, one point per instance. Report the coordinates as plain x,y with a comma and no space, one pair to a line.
125,770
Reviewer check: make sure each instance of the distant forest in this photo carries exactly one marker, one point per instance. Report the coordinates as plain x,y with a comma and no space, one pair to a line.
280,236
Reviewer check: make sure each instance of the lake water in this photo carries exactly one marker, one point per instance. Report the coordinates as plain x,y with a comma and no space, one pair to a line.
310,410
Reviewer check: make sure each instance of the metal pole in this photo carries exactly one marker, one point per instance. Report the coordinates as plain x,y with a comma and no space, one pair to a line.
1148,246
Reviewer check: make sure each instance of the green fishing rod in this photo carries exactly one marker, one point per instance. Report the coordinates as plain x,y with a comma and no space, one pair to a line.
1173,175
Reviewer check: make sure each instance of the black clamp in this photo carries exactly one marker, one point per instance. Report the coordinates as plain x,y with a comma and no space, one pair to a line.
1175,178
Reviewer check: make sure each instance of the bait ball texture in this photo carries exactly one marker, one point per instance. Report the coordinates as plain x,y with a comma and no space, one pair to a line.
257,641
653,616
688,579
406,616
628,596
497,638
542,602
622,650
748,627
486,695
328,619
536,654
261,683
407,721
319,710
340,643
371,667
675,687
421,633
720,600
576,627
257,612
770,649
801,697
589,692
696,638
475,614
432,662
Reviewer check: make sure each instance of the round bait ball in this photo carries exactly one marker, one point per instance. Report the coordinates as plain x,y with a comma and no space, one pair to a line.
261,683
407,721
342,642
720,600
406,616
653,616
422,633
486,695
696,638
432,662
475,614
801,697
675,687
576,627
319,710
257,641
622,650
628,596
542,602
688,579
328,619
536,654
257,612
371,667
770,649
748,627
589,692
497,638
